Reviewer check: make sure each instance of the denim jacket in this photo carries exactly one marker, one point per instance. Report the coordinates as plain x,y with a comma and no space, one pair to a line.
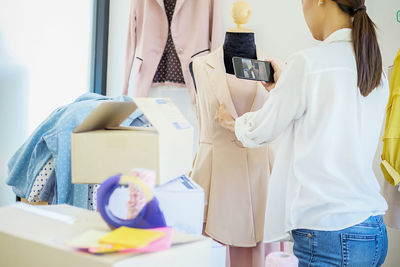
52,139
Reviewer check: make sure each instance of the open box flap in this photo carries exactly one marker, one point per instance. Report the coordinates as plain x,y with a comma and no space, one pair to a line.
162,113
106,115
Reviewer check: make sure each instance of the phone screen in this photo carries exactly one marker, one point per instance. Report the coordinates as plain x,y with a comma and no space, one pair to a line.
252,69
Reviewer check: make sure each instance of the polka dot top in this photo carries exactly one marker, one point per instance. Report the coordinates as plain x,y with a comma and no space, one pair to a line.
40,181
169,69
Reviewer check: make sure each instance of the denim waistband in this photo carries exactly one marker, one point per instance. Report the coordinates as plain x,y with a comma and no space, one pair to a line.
373,221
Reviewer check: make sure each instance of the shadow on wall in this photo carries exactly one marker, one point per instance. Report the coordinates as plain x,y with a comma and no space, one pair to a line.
14,84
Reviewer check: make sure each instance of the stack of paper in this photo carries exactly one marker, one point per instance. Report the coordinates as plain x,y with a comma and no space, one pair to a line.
123,239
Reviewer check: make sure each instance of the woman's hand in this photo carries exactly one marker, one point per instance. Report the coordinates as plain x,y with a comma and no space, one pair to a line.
225,119
277,73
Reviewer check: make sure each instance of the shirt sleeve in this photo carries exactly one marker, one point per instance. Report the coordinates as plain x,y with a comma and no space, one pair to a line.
285,104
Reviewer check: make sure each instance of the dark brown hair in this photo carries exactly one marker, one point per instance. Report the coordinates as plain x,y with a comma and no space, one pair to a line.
366,48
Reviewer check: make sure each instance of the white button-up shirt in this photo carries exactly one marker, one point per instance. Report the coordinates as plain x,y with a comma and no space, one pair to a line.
322,178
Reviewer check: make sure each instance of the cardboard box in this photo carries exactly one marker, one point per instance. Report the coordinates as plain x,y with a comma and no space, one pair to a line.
101,148
36,236
182,202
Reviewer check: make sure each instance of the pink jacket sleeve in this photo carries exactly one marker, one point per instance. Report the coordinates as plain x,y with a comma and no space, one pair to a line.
216,27
130,47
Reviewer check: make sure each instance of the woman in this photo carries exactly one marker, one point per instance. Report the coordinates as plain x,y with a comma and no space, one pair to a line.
329,106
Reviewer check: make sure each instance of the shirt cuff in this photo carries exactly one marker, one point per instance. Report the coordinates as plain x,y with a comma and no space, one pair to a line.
242,127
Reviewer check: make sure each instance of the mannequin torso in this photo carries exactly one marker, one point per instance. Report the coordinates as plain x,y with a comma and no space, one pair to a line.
222,161
238,44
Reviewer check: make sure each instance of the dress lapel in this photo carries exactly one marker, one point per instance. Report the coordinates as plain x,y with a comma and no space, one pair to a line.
178,6
161,3
217,77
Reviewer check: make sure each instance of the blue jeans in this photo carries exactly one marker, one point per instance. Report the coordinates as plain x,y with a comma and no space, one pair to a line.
362,245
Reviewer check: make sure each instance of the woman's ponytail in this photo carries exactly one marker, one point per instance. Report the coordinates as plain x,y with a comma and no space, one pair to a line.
366,47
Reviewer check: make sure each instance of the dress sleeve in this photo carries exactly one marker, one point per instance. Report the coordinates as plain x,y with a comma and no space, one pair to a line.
216,25
285,104
130,47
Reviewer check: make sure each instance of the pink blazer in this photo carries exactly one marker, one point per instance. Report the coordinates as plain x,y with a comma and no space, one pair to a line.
196,29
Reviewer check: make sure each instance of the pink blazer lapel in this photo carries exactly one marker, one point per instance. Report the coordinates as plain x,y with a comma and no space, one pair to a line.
161,3
217,76
178,6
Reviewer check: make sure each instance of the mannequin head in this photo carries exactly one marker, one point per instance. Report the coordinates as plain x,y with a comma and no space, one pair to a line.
241,13
324,17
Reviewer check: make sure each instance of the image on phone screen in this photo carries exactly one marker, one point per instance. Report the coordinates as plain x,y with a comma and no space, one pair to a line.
252,69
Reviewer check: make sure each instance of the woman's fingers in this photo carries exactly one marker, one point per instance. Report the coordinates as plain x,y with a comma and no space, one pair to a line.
277,69
277,72
224,118
268,86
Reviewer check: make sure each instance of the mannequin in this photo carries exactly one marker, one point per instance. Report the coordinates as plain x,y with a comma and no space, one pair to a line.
239,42
236,44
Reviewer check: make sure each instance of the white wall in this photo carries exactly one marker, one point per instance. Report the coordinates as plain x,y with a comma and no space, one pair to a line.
45,51
280,31
279,26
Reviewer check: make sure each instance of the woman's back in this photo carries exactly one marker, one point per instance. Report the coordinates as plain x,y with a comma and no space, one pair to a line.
329,106
335,141
323,167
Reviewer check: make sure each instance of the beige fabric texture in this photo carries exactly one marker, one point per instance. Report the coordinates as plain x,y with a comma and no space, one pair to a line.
234,178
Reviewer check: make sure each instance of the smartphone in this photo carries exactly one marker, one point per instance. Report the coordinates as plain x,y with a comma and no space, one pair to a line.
252,69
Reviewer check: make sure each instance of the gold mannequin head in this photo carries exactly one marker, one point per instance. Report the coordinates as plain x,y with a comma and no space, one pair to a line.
241,13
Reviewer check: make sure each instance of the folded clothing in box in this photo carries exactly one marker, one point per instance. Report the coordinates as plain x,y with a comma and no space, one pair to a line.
182,202
101,147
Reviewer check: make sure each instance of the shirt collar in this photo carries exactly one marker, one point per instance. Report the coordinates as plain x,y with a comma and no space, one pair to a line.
342,35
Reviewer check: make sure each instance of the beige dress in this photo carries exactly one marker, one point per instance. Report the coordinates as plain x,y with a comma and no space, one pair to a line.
234,178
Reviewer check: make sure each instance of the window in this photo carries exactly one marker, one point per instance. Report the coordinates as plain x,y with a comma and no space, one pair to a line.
45,62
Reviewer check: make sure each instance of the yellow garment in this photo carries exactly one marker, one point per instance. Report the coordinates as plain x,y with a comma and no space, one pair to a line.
390,164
